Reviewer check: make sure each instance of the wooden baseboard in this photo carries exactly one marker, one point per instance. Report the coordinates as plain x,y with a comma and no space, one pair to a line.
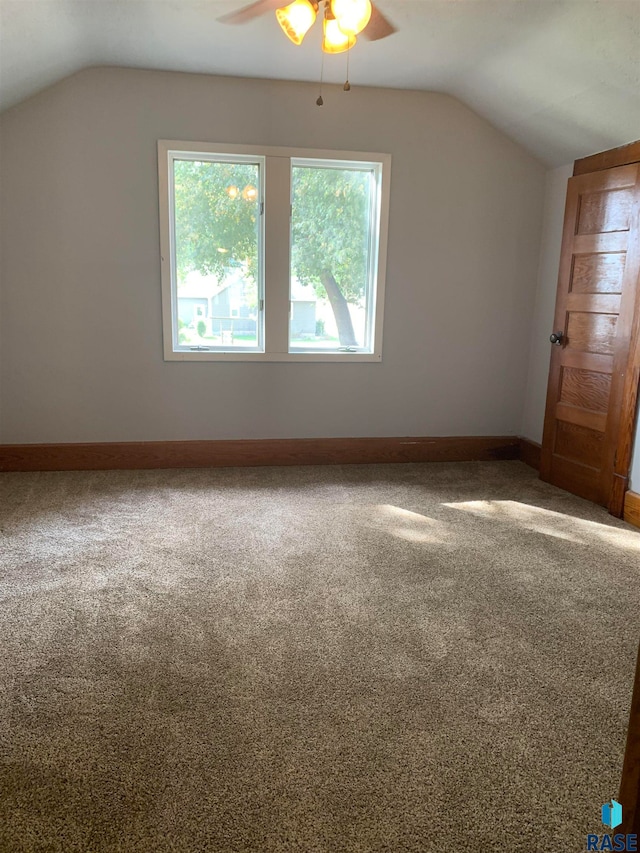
241,453
530,453
632,508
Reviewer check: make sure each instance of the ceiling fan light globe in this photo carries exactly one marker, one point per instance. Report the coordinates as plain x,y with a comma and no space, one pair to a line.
352,15
334,39
296,19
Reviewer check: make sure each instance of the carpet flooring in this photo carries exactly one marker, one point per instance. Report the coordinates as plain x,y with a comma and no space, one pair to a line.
357,658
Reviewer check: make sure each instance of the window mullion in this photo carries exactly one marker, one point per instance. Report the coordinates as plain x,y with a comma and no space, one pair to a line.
277,232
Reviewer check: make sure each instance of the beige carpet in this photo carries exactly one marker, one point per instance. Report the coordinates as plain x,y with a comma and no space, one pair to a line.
383,658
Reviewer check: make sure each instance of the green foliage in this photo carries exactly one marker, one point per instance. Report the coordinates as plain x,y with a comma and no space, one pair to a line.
202,328
214,232
330,228
319,328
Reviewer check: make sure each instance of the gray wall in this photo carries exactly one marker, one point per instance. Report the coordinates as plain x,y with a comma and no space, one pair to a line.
80,286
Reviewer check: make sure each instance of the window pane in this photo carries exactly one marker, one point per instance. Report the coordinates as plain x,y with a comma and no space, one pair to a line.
333,247
217,251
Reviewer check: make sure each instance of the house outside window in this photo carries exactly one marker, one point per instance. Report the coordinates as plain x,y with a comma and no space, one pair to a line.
272,254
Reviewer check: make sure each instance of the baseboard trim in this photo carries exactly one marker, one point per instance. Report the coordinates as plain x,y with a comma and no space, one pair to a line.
242,453
530,453
632,508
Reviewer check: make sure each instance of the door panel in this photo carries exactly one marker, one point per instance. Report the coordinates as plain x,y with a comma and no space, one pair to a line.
604,211
578,443
598,273
586,389
575,478
591,332
595,308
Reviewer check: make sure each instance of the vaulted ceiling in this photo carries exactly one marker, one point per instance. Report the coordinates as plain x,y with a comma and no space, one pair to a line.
562,77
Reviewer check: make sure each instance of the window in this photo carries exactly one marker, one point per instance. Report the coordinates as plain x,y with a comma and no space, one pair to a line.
272,254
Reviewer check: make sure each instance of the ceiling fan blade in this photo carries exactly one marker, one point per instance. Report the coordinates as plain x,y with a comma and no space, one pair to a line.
253,10
378,27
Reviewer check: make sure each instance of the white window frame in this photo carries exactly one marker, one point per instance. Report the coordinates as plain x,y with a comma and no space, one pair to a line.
274,284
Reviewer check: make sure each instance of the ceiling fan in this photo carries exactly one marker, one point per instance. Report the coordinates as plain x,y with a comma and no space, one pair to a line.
343,20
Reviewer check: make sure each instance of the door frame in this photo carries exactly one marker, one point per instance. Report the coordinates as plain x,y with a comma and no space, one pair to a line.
626,155
630,782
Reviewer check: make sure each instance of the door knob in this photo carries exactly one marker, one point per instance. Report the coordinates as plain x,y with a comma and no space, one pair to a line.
556,338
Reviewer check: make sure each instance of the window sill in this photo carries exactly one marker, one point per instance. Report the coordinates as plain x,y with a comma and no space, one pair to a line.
274,356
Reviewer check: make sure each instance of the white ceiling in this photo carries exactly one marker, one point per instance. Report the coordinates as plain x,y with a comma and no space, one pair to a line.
560,76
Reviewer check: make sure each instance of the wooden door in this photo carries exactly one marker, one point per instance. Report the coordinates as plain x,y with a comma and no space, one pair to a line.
593,382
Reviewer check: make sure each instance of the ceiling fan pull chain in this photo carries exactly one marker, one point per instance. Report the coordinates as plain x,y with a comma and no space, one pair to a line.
320,100
347,85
